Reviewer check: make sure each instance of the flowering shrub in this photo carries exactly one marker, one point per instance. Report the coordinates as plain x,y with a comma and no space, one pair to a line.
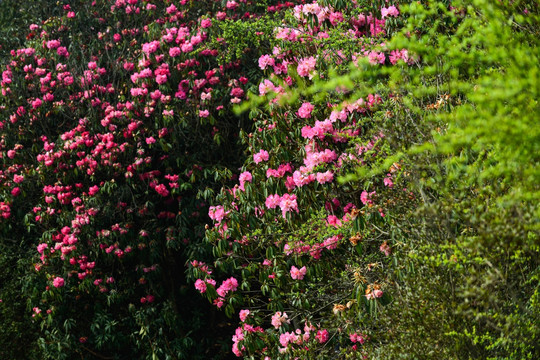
303,246
334,235
316,278
116,114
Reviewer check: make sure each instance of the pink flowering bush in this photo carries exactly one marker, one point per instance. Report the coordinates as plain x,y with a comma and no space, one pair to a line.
139,183
290,231
116,114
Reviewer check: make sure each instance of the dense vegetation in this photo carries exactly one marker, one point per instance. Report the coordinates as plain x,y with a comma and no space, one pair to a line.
336,179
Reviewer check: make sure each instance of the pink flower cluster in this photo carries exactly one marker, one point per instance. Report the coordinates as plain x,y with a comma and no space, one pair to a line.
286,203
389,11
58,282
200,285
216,213
315,250
244,177
279,319
230,284
320,130
298,274
243,315
280,171
322,336
305,110
306,67
260,156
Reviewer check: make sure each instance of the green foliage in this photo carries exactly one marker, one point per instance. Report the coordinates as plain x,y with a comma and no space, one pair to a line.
462,123
19,332
474,241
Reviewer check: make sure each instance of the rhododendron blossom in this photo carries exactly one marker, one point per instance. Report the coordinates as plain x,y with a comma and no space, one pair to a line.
306,66
288,203
305,110
261,156
245,177
243,315
230,284
216,213
298,274
200,285
278,319
389,11
322,336
58,282
272,201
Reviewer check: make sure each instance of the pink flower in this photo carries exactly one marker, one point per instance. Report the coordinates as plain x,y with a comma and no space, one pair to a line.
150,140
200,285
305,66
161,190
58,282
385,249
288,203
335,18
204,113
272,201
260,156
266,86
151,47
62,51
16,191
53,44
243,315
357,338
175,51
41,247
230,284
237,92
325,177
161,79
216,213
187,47
265,61
376,57
278,319
206,23
18,178
333,220
390,11
245,177
322,336
298,274
365,197
171,9
231,5
36,103
305,110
